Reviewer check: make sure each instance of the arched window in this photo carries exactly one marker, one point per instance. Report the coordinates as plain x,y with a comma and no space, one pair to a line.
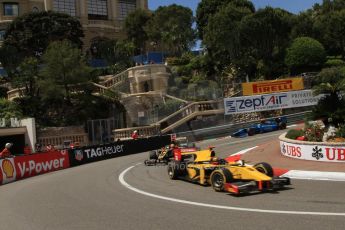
35,9
97,9
65,6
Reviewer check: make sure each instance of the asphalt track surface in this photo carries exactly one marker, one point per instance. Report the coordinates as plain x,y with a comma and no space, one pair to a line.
92,197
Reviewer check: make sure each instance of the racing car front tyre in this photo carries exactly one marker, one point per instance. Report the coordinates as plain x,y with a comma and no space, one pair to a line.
219,178
264,168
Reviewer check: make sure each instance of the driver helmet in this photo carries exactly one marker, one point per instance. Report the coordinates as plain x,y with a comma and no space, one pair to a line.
8,145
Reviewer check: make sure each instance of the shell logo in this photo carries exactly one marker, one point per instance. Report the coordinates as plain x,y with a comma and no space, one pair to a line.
7,168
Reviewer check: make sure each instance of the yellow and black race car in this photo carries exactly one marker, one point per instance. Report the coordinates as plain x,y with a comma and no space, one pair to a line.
204,168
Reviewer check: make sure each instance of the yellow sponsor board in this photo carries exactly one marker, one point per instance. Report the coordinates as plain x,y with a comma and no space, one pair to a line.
274,86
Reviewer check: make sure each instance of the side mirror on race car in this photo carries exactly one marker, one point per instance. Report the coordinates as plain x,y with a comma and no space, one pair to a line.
240,162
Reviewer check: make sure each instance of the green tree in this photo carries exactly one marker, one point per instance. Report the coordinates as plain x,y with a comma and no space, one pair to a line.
10,57
31,33
303,25
328,6
116,52
330,28
171,28
64,66
305,54
266,34
222,38
9,109
3,92
208,8
223,30
135,28
331,82
27,76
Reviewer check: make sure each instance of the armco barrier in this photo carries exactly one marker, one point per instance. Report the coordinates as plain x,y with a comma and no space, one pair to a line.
227,130
94,153
19,167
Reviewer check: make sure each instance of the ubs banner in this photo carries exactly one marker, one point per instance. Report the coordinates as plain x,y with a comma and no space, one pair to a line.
90,154
19,167
266,102
313,152
275,86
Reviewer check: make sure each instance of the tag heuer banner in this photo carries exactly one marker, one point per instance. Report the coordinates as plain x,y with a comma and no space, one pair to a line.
88,154
274,101
275,86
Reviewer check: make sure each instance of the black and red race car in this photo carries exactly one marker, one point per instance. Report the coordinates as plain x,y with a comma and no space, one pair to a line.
165,154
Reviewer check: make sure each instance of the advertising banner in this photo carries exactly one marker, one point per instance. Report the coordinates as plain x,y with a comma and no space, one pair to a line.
313,152
274,86
94,153
7,171
266,102
20,167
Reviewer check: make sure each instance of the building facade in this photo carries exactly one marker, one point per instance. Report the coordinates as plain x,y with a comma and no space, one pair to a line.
99,18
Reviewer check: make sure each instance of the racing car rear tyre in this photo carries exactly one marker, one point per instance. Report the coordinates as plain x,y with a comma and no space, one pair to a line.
264,168
251,132
219,178
153,155
176,169
282,125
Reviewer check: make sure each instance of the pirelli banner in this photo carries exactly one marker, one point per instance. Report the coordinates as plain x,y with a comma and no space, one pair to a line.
266,102
94,153
274,86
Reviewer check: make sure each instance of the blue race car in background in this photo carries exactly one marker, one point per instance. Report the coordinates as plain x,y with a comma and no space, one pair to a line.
262,127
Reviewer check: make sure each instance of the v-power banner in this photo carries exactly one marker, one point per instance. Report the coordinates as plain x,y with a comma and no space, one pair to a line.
266,102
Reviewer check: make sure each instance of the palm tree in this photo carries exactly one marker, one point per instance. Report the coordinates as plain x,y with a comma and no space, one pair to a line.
331,82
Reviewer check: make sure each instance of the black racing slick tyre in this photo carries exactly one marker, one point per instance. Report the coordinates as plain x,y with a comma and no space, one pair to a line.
176,169
219,177
251,132
153,155
264,168
282,125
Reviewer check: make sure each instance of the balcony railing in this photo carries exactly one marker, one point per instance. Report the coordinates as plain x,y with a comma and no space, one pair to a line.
170,122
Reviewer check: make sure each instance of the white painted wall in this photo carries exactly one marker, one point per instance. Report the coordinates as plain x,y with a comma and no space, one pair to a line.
30,135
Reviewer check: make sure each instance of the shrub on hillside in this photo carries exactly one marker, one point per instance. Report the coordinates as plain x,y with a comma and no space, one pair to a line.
334,63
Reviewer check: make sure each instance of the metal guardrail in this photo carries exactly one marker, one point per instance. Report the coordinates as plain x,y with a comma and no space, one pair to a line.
226,130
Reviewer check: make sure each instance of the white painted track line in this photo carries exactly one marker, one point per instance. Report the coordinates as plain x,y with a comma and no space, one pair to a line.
125,184
315,175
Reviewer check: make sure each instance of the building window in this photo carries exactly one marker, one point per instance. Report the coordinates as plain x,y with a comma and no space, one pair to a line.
98,9
2,33
65,6
125,7
11,9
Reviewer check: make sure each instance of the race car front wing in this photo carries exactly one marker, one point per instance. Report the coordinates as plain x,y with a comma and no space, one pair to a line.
241,187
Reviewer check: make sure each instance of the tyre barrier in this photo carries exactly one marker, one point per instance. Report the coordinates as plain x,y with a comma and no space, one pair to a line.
21,167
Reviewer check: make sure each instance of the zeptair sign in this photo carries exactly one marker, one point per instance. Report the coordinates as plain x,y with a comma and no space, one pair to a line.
272,101
274,86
